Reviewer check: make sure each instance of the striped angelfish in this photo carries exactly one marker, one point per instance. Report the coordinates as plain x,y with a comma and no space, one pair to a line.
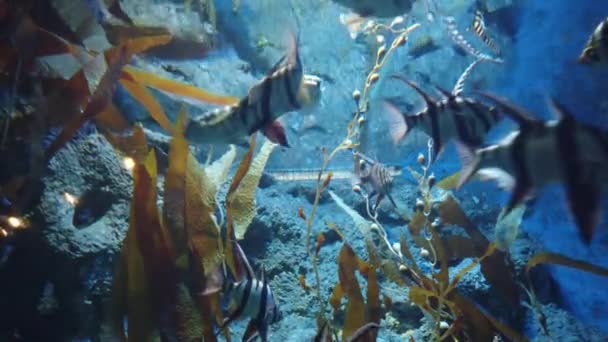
252,297
285,88
450,117
324,333
596,49
539,153
376,177
479,27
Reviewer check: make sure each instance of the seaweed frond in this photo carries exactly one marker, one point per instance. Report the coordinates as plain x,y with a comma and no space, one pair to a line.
243,204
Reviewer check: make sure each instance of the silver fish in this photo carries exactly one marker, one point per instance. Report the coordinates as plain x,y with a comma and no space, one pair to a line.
560,151
596,49
284,89
451,117
377,177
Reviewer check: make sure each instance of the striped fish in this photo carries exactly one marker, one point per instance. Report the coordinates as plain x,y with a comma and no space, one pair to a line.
460,40
284,89
539,153
376,177
253,298
324,333
451,116
479,27
596,49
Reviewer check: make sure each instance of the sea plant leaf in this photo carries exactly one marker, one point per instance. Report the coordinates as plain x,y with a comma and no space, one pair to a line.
354,316
143,96
244,205
562,260
507,227
496,268
450,182
183,90
232,260
174,200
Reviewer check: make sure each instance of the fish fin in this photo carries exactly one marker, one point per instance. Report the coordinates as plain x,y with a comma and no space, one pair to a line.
276,66
379,199
398,122
438,150
519,115
520,193
361,333
470,163
242,258
293,52
504,179
275,132
428,99
584,199
390,198
252,332
561,112
262,276
443,92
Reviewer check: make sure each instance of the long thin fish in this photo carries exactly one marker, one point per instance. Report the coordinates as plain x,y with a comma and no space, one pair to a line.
479,27
459,40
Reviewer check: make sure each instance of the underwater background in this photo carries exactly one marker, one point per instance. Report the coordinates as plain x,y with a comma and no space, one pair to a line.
119,223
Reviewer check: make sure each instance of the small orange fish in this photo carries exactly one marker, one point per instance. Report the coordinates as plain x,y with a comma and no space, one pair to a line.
301,213
320,242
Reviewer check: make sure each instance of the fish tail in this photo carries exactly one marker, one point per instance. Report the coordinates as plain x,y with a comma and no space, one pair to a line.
470,163
293,53
399,124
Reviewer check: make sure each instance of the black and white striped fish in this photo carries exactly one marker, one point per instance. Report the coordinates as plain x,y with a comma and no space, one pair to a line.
479,27
284,89
324,334
596,49
539,153
451,117
252,297
376,177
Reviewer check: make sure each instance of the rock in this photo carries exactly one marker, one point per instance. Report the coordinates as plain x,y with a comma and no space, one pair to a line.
87,164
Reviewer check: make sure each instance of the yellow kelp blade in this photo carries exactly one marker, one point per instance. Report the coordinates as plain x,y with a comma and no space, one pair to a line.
143,96
558,259
354,317
229,249
244,205
154,244
177,88
141,44
175,188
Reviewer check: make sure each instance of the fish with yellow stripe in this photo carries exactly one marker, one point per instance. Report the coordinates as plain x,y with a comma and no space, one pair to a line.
376,177
453,116
284,89
539,153
479,27
251,297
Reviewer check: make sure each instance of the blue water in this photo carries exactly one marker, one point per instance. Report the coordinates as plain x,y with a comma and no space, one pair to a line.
67,253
